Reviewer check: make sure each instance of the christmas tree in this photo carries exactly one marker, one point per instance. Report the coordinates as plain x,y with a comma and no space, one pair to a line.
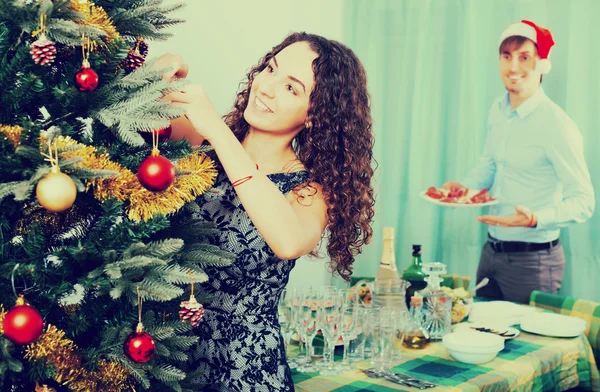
103,261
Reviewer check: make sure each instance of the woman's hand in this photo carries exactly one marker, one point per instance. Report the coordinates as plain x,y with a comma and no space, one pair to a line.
178,69
199,110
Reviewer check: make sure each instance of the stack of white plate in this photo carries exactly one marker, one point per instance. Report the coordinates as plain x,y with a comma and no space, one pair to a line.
552,324
504,314
500,313
472,346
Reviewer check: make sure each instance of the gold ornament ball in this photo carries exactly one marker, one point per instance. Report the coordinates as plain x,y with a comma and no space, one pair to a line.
56,192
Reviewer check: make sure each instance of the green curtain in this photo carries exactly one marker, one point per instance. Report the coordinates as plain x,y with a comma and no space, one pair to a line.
433,74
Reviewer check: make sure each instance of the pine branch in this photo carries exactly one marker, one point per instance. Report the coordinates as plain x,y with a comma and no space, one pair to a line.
161,349
79,185
183,343
165,248
117,291
160,332
178,327
166,373
191,230
205,254
135,263
30,153
23,191
177,274
178,356
9,188
141,111
69,32
67,163
136,249
138,373
85,174
4,40
203,148
158,291
7,360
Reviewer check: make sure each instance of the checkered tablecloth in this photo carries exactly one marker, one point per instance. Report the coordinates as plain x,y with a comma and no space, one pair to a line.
527,363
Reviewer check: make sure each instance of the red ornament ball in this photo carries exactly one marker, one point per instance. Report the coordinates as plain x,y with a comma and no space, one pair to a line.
86,79
156,173
23,324
139,347
163,134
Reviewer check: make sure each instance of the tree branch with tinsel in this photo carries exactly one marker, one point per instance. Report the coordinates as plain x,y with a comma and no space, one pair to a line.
110,180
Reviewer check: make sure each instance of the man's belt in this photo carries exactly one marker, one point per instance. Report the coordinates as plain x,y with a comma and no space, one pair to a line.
518,246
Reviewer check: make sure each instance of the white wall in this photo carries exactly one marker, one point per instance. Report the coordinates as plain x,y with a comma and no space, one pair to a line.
221,40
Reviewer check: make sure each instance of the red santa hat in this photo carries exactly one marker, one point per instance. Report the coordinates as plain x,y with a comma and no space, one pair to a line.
539,35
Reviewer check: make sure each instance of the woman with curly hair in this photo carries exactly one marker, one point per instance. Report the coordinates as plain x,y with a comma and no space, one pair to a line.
295,155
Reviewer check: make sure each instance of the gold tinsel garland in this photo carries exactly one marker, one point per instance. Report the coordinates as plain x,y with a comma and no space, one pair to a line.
62,354
53,348
95,16
143,204
12,133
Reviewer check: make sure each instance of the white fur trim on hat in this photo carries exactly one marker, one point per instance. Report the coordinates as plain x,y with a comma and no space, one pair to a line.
543,66
521,29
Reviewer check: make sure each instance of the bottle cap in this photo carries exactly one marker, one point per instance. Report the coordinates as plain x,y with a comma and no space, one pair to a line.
416,248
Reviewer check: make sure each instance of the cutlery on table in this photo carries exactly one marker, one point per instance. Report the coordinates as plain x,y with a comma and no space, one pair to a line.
504,334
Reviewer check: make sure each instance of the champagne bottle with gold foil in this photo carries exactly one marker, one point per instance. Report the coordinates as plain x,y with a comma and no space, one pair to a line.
387,265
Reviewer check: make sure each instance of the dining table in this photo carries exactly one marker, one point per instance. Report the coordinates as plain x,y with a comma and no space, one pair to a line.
529,362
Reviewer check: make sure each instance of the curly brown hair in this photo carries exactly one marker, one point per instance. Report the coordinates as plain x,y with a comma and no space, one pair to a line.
337,149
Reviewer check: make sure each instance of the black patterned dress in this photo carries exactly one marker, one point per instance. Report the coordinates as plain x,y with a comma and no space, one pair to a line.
240,346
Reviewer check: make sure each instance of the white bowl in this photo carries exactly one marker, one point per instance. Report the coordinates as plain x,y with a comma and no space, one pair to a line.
472,346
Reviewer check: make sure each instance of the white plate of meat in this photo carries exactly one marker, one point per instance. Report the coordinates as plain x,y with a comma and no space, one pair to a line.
468,198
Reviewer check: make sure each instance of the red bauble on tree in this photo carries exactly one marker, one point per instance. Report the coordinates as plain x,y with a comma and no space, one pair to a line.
156,173
23,324
86,79
139,346
163,134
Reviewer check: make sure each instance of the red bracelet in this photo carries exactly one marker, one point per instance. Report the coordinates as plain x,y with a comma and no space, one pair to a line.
243,179
530,224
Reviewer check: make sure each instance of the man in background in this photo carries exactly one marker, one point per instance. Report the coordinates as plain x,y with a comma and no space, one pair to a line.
533,163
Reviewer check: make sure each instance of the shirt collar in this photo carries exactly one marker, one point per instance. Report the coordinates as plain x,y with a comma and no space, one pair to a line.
524,109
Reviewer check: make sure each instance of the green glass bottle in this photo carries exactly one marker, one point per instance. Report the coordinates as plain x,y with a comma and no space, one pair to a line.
414,274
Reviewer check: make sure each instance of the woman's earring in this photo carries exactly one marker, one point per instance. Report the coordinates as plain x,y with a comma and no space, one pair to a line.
308,124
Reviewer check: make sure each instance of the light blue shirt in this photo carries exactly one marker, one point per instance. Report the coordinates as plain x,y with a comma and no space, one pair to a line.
533,157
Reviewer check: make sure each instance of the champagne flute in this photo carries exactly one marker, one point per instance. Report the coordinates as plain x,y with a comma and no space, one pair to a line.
330,317
308,318
348,318
285,313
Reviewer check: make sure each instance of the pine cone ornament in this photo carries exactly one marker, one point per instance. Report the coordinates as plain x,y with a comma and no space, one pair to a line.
191,310
143,48
43,51
133,61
